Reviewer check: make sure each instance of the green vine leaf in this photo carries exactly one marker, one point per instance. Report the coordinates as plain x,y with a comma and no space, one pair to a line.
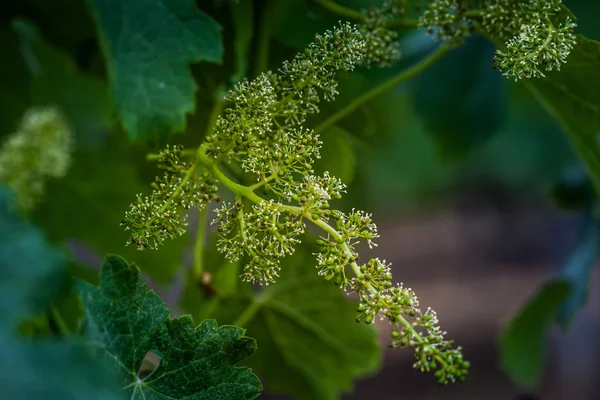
125,321
573,96
53,370
32,274
26,291
303,352
462,113
148,46
523,341
522,344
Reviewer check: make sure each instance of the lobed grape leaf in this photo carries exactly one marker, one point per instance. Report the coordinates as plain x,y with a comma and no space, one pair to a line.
311,346
148,47
523,341
125,321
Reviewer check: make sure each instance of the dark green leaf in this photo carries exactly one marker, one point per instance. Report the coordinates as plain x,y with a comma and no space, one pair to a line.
242,15
32,273
461,99
573,189
523,342
310,345
148,47
296,21
53,371
573,96
125,321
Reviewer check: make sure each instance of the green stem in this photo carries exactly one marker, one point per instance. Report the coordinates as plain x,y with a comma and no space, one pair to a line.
339,9
199,245
384,87
262,183
184,153
249,312
235,188
60,323
473,13
263,37
217,109
188,175
357,15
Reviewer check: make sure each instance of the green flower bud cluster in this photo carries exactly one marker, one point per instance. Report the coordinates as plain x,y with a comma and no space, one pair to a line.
432,350
40,149
316,68
249,118
381,45
276,102
446,21
379,298
315,192
289,151
503,18
412,328
537,36
539,45
264,234
160,216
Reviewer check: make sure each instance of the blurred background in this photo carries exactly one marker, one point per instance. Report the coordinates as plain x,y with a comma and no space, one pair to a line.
463,170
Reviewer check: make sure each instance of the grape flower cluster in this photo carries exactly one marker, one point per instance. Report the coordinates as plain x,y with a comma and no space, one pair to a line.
40,149
382,48
262,132
538,36
157,217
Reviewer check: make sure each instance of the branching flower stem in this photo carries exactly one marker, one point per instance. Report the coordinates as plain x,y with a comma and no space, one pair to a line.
199,244
384,87
349,13
188,175
262,134
247,192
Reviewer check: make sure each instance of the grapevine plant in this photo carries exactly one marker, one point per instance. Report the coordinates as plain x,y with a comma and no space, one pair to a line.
254,172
